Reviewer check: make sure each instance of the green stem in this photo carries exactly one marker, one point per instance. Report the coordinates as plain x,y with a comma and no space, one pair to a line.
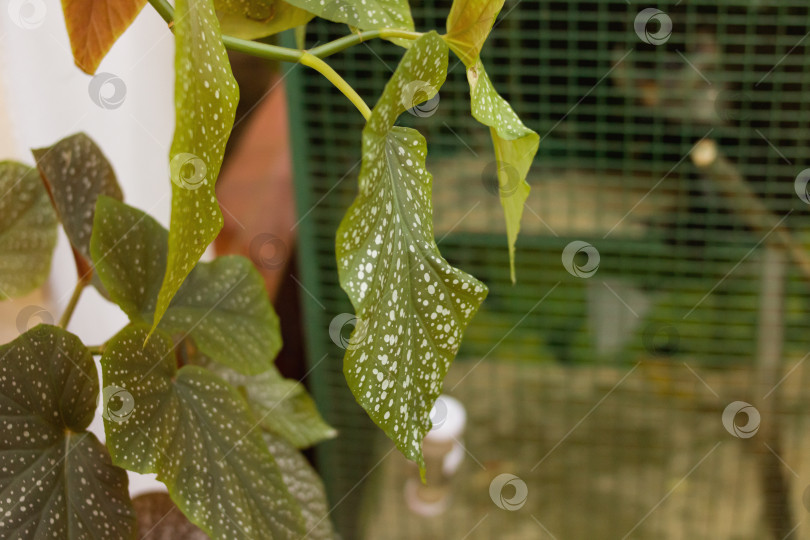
96,350
328,49
74,299
274,52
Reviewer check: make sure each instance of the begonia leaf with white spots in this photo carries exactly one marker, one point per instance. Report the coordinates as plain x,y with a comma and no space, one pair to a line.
363,14
281,405
222,305
253,19
413,306
76,173
205,96
196,432
27,230
468,26
58,480
305,486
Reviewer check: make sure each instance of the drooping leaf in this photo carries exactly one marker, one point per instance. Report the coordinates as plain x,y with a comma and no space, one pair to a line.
282,406
94,25
222,305
253,19
27,230
76,173
362,14
413,305
515,148
468,26
57,479
305,486
205,96
195,431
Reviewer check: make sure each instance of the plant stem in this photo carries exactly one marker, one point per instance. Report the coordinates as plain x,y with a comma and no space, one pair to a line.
331,75
74,299
274,52
96,350
328,49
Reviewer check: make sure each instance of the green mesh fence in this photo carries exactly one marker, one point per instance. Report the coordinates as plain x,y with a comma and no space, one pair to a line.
603,392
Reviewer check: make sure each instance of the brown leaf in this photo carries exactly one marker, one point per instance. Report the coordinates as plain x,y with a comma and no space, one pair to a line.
94,25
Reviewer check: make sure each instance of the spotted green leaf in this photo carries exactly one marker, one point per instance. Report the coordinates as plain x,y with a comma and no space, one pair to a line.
76,173
222,305
27,230
281,405
205,96
468,26
195,431
305,486
413,306
362,14
252,19
57,479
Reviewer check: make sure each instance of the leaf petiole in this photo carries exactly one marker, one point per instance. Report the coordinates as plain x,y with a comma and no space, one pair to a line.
83,282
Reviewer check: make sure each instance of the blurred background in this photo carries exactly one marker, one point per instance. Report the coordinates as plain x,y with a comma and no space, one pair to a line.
644,378
661,277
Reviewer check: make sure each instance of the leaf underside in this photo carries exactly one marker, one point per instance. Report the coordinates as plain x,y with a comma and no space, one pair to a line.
253,19
412,304
206,95
58,480
515,145
94,25
222,305
195,431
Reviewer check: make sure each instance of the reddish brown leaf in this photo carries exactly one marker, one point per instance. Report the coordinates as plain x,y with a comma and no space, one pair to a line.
94,25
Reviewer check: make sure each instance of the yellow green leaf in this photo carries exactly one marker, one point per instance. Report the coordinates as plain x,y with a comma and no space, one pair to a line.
253,19
205,96
468,26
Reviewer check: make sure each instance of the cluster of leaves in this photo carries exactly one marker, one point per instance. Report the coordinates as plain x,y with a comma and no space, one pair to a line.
212,417
200,403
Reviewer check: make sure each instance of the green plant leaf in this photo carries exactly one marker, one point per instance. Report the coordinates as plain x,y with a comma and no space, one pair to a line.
205,97
58,480
222,305
94,27
281,405
412,305
76,172
253,19
305,486
195,431
363,14
515,148
468,26
27,230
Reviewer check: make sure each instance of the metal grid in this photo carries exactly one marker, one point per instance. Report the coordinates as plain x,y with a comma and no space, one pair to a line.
638,360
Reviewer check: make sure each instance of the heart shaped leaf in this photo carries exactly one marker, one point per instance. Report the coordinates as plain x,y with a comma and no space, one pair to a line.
195,431
468,26
76,172
253,19
27,230
362,14
205,96
282,406
223,305
58,480
94,25
413,306
305,486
